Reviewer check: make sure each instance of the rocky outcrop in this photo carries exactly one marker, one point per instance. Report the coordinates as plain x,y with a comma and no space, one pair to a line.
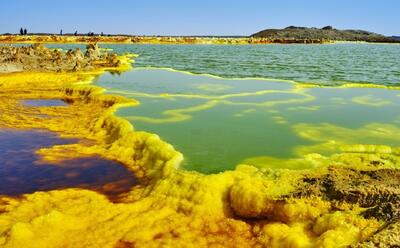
39,58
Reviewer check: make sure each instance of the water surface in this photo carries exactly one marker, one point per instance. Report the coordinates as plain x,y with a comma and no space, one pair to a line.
329,64
218,123
44,102
21,172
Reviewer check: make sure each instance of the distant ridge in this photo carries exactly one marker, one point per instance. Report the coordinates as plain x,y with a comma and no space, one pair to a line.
396,37
325,33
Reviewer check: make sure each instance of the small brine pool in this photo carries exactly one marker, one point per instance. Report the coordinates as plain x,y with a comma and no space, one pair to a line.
21,172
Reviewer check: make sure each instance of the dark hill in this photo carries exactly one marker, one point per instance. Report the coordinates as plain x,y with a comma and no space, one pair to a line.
396,37
325,33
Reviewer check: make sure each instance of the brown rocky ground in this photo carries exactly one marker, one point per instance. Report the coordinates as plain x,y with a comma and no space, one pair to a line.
377,191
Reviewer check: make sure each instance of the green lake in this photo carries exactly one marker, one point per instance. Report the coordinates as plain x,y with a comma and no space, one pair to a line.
218,123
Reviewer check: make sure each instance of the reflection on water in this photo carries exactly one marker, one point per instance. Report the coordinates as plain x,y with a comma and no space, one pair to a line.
217,123
44,103
20,173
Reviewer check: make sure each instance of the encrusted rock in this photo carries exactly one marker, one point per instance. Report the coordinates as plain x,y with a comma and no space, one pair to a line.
39,58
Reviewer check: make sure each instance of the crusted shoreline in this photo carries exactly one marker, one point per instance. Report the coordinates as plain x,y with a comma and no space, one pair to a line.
153,40
351,199
129,39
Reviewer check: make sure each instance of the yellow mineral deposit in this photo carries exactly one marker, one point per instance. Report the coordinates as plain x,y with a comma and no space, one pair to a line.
371,101
244,112
332,138
247,207
175,115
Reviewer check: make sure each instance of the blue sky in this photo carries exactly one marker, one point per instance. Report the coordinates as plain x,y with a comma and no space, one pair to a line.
196,17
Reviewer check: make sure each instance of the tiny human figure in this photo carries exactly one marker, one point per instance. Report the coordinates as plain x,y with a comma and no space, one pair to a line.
25,32
61,32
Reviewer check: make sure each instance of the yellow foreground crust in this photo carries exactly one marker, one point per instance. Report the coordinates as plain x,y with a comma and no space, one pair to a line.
247,207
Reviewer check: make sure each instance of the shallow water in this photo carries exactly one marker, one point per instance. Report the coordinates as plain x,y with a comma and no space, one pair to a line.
21,172
218,123
44,103
329,64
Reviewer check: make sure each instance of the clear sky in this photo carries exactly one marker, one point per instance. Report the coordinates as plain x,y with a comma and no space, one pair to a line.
196,17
